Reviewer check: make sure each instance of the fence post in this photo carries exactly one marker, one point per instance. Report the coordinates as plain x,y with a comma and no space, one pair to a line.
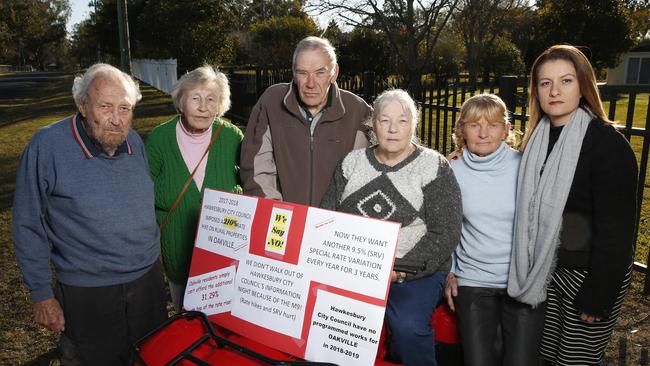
508,92
368,86
258,82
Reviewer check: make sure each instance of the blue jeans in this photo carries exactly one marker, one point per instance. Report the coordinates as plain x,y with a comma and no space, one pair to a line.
409,309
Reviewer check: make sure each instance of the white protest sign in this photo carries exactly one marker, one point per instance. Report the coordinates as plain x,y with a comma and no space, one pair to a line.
344,331
210,292
225,223
346,252
271,294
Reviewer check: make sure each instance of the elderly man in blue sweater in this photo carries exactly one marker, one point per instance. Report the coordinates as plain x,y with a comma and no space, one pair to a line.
84,201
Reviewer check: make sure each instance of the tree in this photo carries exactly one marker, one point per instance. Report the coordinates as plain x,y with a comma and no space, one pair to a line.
446,58
253,38
32,30
275,39
603,28
192,31
479,23
260,10
412,28
640,15
364,49
502,58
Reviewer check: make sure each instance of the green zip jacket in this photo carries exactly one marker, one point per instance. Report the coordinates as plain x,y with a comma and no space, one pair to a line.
169,174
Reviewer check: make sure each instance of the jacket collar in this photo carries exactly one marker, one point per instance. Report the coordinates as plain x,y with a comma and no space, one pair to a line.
88,148
332,113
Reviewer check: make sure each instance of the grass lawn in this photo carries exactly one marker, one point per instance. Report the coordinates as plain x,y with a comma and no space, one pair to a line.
26,105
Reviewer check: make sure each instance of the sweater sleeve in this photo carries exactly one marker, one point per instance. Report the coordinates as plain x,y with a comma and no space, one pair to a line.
257,164
443,216
614,175
334,191
28,224
155,157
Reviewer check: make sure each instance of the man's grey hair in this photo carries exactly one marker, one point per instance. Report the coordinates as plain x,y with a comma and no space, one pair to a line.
82,82
204,76
316,43
408,104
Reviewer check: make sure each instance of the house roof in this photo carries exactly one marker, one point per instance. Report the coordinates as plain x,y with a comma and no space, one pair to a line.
644,47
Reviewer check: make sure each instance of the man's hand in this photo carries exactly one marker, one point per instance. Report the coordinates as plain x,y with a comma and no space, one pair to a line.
48,313
451,290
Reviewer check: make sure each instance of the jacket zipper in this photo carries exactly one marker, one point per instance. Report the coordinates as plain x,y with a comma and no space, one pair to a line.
311,164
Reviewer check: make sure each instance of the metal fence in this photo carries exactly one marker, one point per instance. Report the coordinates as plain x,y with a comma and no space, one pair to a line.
440,102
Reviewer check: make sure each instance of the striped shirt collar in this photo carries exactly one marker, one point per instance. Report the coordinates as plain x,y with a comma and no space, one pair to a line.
89,149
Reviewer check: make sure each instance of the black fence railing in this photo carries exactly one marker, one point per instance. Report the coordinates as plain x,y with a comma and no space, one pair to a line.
440,102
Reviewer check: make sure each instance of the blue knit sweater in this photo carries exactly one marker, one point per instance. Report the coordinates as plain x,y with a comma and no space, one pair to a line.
92,215
488,186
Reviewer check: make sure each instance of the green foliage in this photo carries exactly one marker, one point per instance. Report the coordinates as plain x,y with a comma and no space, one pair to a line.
602,27
447,57
192,31
362,50
479,23
257,11
274,40
503,58
32,32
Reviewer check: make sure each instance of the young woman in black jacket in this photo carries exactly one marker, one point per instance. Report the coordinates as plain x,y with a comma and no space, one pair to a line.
576,211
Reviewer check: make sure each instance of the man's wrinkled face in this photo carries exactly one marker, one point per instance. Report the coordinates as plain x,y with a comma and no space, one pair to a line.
313,76
108,112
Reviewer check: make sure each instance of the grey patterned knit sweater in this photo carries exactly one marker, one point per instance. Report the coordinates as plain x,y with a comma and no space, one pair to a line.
420,192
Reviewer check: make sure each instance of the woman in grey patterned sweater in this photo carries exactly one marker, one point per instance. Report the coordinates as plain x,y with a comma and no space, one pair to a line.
401,181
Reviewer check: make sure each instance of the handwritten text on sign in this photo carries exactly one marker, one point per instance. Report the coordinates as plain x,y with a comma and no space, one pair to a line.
279,224
210,292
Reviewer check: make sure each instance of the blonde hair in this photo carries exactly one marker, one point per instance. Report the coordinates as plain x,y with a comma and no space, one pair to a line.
488,106
586,81
207,76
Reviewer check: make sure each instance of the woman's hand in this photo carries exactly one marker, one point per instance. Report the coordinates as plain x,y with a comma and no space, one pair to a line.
455,155
397,277
589,318
451,290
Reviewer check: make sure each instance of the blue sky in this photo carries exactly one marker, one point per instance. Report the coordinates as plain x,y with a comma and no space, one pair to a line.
80,11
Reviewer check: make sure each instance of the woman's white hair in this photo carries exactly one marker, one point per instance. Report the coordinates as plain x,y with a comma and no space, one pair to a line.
407,103
204,76
316,43
82,82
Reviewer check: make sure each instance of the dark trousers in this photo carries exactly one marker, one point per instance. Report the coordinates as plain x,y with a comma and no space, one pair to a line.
101,323
495,329
408,311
